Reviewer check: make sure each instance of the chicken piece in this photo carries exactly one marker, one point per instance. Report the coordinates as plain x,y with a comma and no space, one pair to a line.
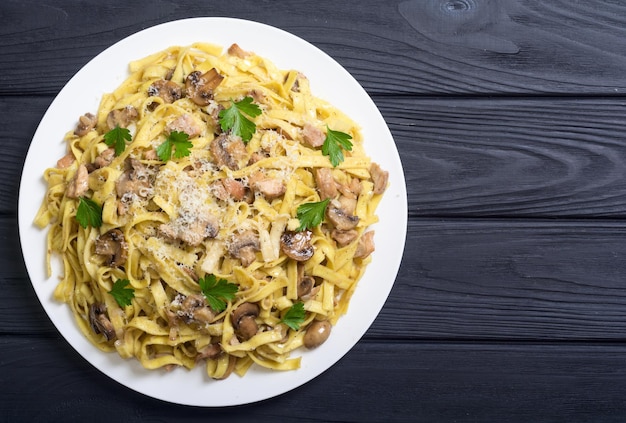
191,229
326,185
312,135
269,187
79,184
344,238
187,124
365,246
379,177
227,188
66,161
86,123
351,189
135,182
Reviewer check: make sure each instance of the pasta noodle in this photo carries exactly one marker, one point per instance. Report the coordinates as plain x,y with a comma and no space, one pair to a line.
228,209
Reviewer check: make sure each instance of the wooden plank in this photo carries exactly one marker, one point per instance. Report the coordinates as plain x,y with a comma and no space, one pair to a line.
528,157
509,279
539,157
44,380
402,47
460,279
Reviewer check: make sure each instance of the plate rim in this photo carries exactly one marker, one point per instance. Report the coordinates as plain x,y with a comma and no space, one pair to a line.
25,225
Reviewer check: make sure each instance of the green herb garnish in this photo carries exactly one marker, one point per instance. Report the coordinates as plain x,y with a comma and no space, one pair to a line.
117,138
217,292
177,141
294,316
121,293
89,213
235,118
311,214
334,142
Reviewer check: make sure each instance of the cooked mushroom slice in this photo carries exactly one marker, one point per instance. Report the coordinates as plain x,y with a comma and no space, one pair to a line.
199,86
228,151
297,245
79,184
86,123
104,159
340,218
169,91
243,320
312,135
235,50
316,334
305,286
325,182
113,246
121,117
379,177
244,246
194,308
365,247
211,351
99,321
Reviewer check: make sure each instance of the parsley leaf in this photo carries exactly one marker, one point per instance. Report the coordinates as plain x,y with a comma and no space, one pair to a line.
294,316
179,141
89,213
333,143
117,137
121,293
217,292
311,214
236,119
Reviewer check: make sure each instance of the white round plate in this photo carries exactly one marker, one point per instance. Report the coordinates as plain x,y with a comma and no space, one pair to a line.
329,81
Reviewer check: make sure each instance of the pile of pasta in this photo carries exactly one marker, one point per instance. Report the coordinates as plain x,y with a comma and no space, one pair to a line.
228,209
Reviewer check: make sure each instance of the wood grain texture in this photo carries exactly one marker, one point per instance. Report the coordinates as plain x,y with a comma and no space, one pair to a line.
439,382
401,47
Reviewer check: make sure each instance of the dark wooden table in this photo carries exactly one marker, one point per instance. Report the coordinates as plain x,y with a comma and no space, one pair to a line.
510,118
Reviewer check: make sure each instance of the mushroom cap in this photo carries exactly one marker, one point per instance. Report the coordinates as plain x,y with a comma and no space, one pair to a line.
112,245
297,245
169,91
199,86
243,319
340,218
99,321
244,310
317,333
305,285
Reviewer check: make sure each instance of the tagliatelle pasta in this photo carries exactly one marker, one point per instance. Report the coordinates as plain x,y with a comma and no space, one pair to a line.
183,199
